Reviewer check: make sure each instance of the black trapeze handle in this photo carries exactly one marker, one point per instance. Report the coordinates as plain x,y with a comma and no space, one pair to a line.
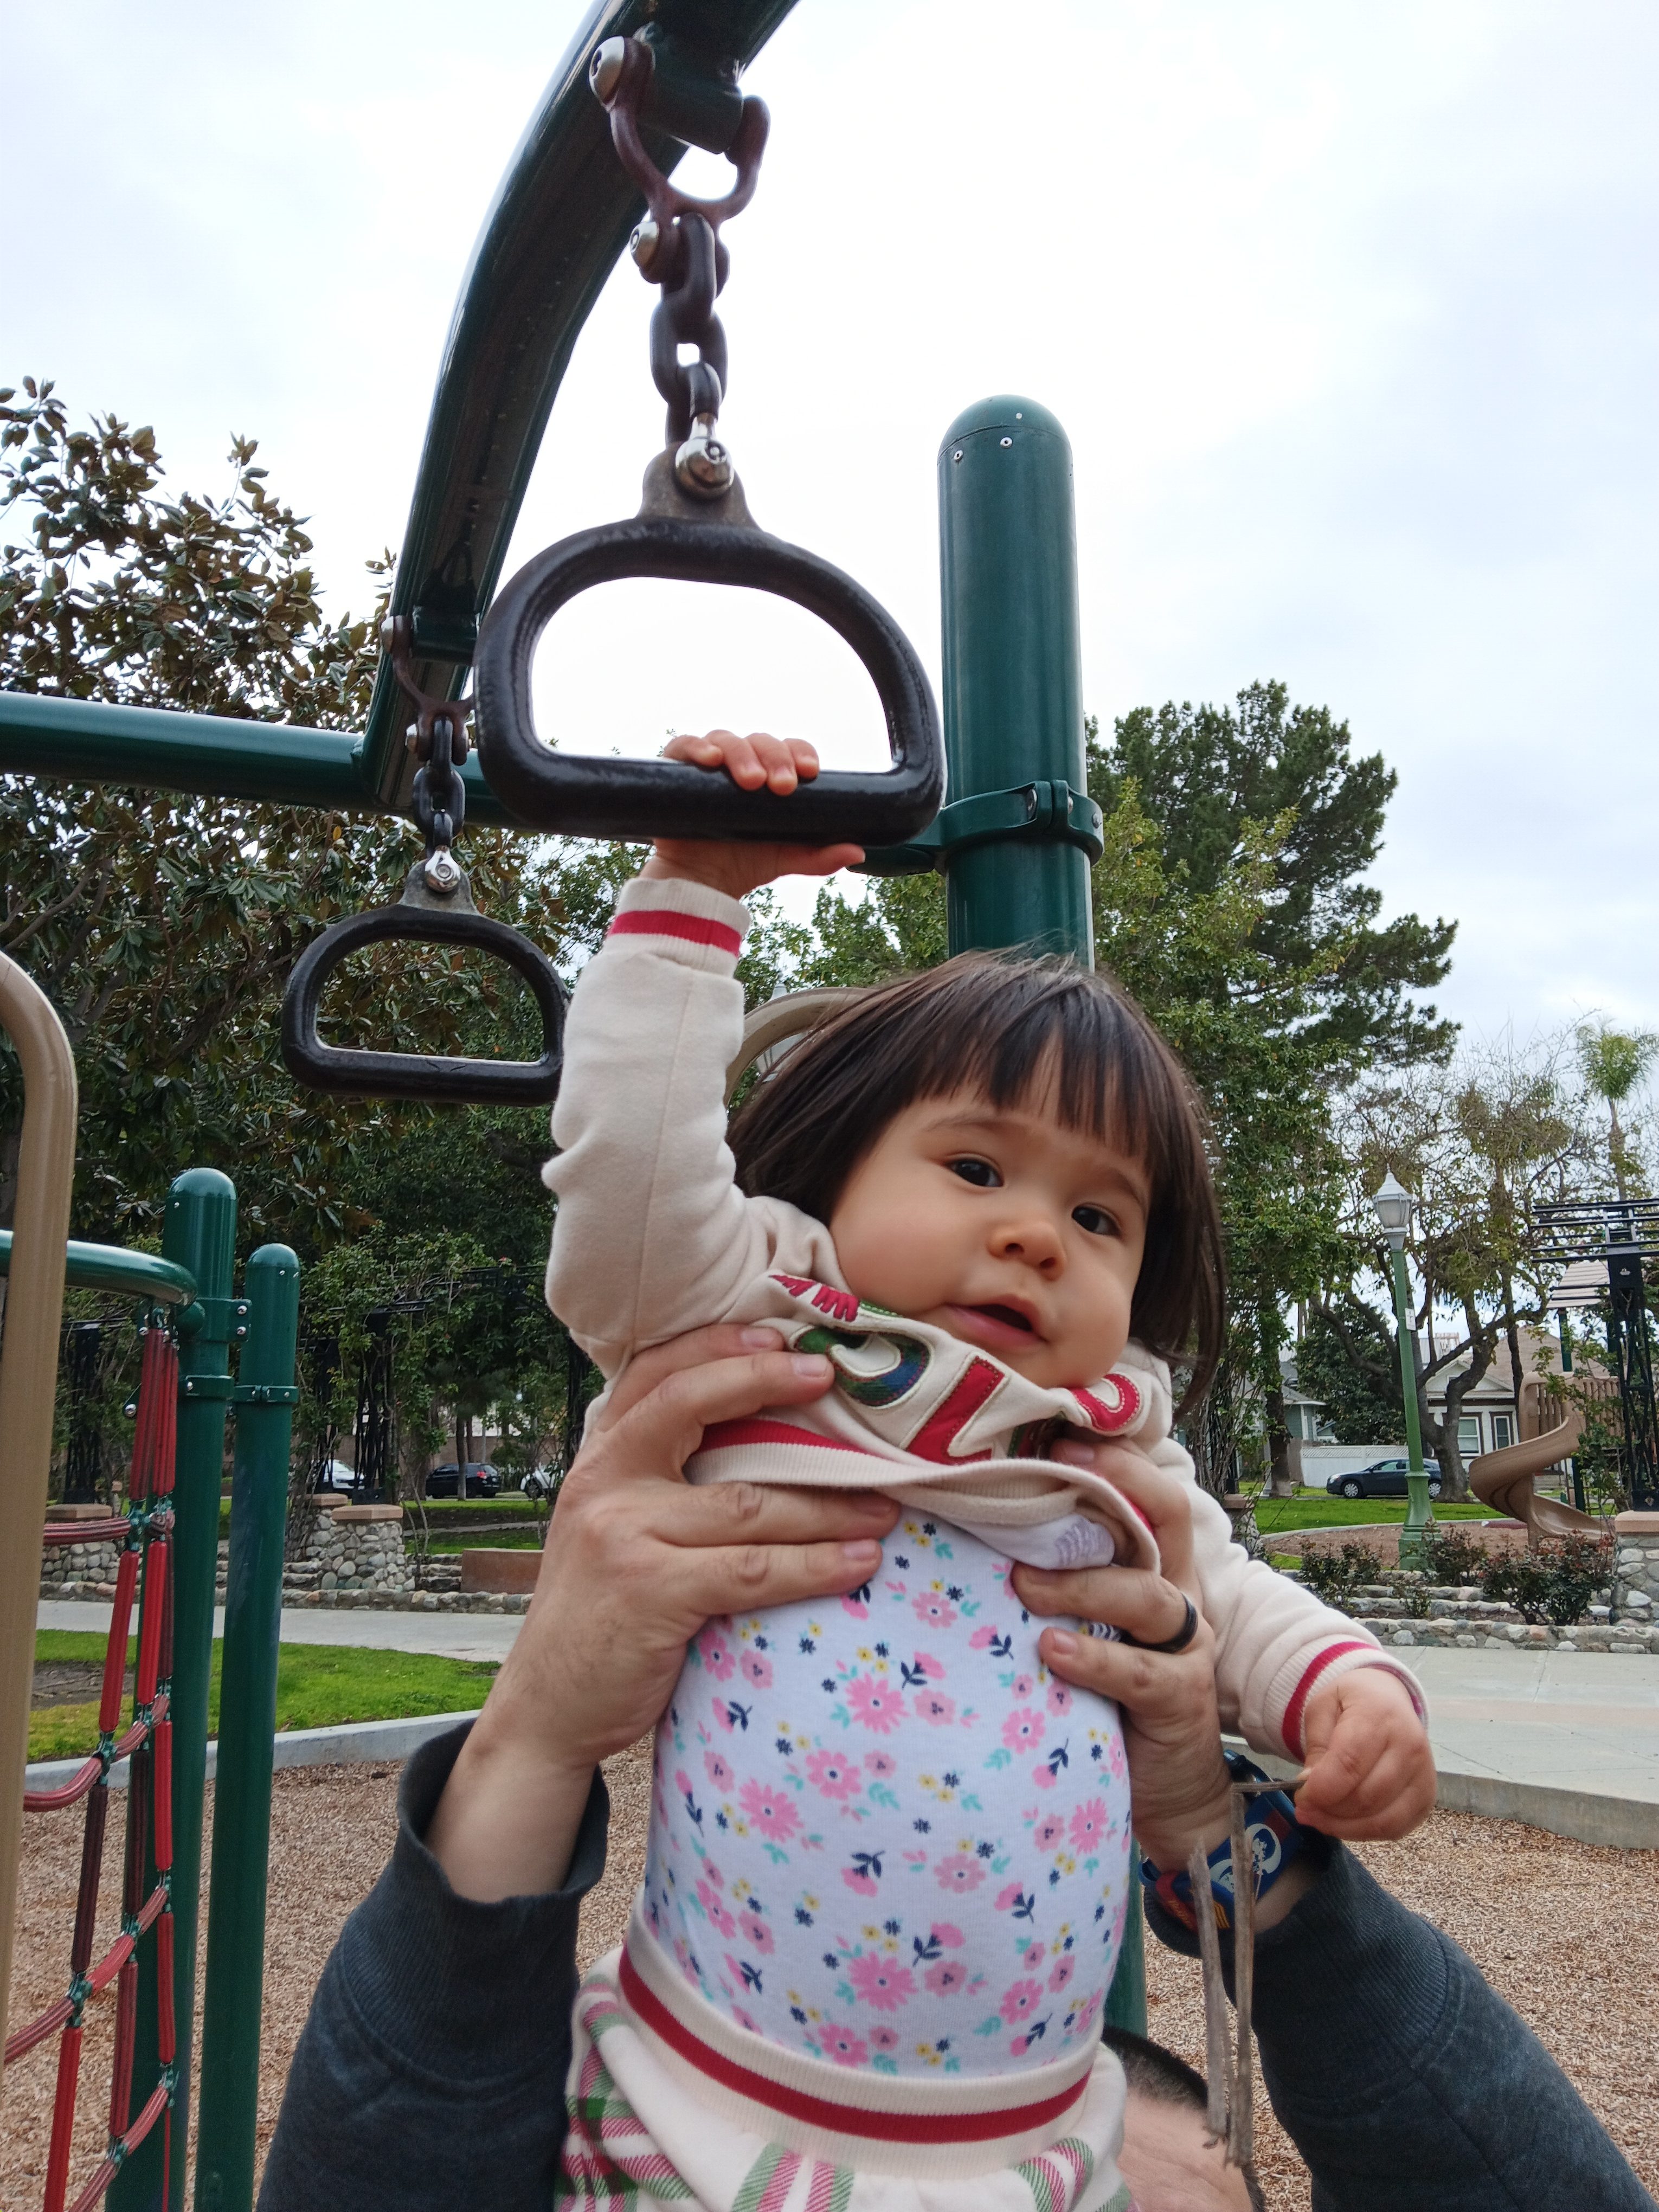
422,1076
596,796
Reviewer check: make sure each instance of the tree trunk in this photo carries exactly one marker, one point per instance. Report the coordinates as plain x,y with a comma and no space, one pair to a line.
1283,1481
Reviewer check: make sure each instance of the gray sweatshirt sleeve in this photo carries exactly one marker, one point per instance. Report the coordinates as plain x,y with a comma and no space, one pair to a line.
1404,2079
431,2072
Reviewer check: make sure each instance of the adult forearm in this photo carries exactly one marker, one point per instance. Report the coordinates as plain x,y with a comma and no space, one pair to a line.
432,2068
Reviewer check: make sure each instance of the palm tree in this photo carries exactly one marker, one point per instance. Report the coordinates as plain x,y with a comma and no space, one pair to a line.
1613,1062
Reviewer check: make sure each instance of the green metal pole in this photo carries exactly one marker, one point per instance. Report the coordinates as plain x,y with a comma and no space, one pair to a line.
200,1234
1012,671
1013,717
227,2104
1420,1514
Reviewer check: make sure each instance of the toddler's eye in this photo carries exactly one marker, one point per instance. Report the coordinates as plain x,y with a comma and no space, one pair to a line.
1095,1219
979,1173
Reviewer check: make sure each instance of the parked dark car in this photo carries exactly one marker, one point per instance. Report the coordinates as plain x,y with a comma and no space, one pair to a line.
481,1480
1383,1478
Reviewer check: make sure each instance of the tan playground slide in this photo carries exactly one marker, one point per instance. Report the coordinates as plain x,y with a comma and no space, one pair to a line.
1506,1478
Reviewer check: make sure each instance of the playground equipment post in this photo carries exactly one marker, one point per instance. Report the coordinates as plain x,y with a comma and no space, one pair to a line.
1018,830
228,2095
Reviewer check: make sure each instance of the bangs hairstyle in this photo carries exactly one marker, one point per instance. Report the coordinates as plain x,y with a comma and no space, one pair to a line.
1003,1028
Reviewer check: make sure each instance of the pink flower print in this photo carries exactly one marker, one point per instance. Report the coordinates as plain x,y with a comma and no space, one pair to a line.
858,1878
881,1982
718,1771
758,1668
982,1639
959,1873
719,1917
883,2038
854,1602
951,1938
1091,1824
874,1705
1025,1686
947,1978
926,1665
1059,1697
771,1812
757,1931
832,1775
1061,1974
1024,1729
881,1763
1050,1832
1034,1955
1008,1897
1043,1776
934,1610
723,1715
745,2020
935,1708
844,2047
716,1653
1020,2002
683,1782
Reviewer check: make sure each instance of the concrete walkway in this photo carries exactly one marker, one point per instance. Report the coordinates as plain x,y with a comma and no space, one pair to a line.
451,1635
1566,1740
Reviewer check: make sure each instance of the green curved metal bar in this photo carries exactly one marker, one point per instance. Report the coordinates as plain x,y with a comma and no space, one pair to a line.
559,223
129,1274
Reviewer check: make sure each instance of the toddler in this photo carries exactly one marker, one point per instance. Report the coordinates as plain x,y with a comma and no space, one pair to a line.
888,1853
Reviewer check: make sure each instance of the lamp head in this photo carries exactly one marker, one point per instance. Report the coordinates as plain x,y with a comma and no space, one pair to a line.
1393,1210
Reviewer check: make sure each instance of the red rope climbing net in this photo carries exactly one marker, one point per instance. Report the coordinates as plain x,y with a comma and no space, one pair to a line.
144,1577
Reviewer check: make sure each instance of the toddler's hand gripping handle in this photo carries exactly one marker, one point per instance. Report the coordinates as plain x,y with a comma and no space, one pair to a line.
597,796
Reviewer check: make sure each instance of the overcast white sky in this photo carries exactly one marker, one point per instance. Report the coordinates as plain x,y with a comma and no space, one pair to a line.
1350,311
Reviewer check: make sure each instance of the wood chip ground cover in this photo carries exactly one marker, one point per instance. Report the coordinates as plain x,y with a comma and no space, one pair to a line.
1565,1932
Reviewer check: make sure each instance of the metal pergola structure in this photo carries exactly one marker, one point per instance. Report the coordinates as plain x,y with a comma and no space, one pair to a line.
1622,1235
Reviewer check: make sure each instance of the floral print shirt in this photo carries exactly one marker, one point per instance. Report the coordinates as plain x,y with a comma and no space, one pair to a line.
883,1834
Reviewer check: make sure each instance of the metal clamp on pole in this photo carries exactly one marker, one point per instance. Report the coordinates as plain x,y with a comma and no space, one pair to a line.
1043,812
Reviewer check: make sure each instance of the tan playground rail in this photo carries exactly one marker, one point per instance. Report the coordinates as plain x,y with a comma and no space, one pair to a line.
28,1382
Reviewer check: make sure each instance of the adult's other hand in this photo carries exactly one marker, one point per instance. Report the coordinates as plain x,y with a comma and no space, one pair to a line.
637,1561
1171,1730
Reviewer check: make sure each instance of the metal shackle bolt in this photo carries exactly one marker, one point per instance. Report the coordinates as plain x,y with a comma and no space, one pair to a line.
604,70
702,466
440,872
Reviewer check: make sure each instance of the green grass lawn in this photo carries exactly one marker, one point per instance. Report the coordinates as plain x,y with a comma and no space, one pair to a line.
318,1686
492,1539
1319,1512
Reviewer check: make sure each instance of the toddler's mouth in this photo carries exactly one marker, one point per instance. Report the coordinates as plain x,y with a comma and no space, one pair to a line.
994,1322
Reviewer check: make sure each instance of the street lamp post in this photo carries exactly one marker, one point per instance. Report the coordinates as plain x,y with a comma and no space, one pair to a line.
1394,1210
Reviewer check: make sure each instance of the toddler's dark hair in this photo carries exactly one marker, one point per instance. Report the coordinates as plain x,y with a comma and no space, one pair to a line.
986,1023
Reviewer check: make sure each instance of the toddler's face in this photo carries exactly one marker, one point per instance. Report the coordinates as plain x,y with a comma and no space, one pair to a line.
1003,1226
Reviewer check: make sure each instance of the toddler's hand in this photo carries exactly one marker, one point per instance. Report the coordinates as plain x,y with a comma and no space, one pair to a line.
1370,1770
740,867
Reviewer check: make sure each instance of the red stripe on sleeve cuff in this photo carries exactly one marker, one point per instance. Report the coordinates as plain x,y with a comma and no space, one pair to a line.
1290,1726
663,921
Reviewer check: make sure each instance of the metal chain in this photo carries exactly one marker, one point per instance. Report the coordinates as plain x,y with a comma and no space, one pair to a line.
678,246
438,736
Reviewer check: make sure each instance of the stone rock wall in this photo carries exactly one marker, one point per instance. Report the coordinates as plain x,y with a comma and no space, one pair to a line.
353,1549
65,1564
